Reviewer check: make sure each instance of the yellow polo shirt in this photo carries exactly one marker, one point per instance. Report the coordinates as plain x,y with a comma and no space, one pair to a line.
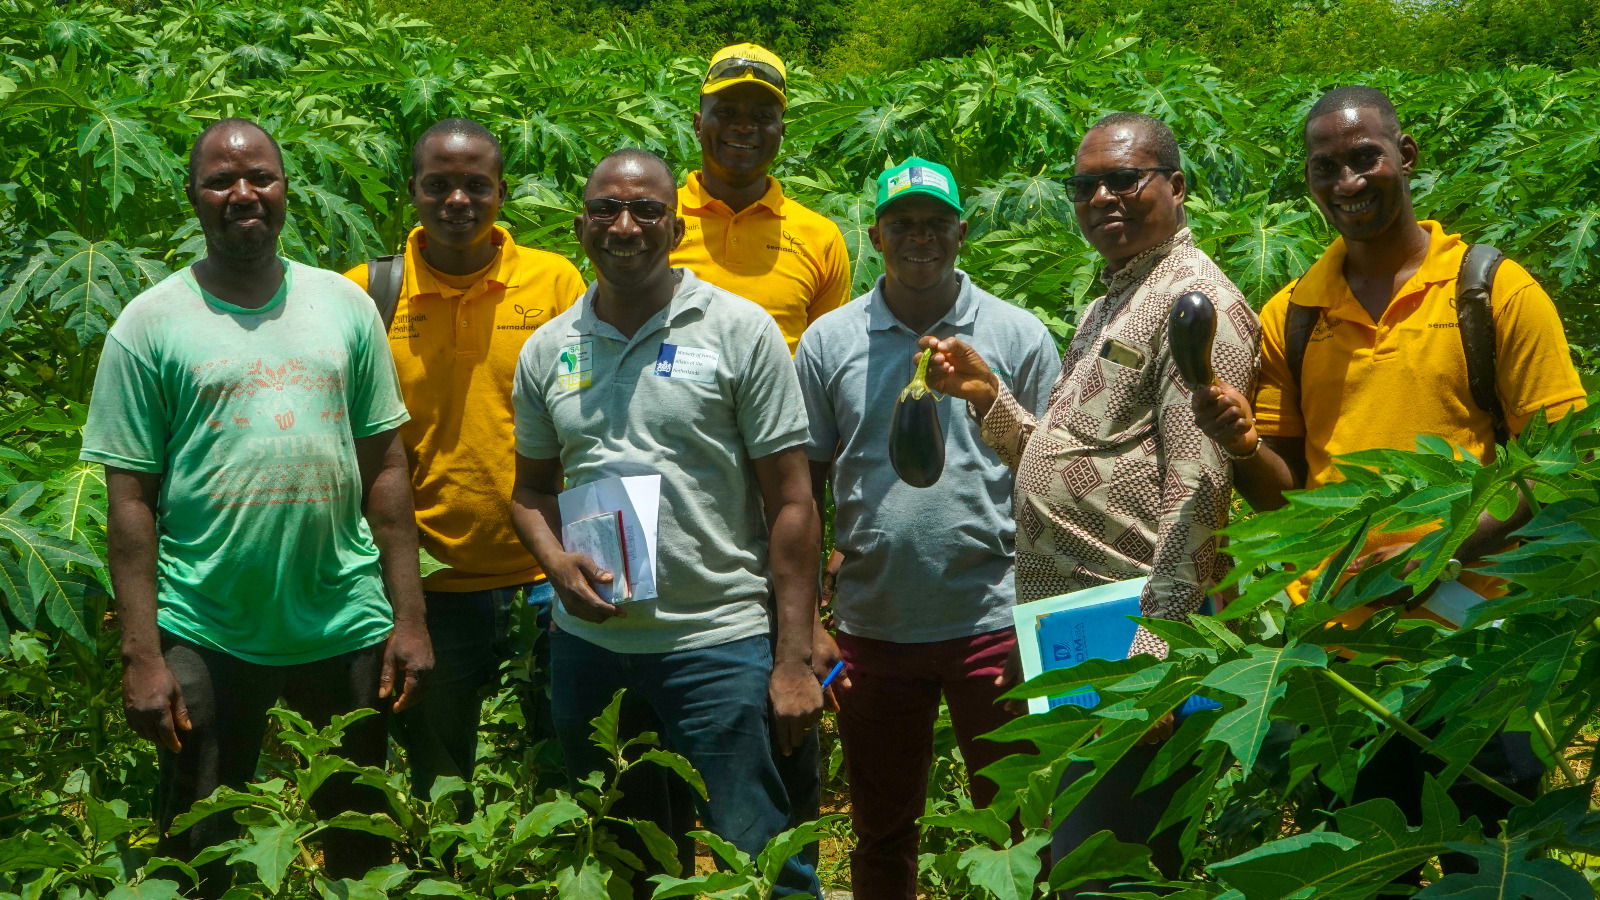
455,341
1383,384
776,252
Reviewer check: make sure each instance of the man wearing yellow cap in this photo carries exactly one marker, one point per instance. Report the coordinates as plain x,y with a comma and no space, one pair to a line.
741,233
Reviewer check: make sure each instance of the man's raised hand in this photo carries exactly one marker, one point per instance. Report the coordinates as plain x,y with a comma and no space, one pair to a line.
958,370
1224,415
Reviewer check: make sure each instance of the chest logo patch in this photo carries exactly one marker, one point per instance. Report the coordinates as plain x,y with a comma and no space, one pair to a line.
575,366
689,363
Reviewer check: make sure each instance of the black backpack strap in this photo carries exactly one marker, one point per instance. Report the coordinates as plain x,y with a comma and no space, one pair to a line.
1475,316
385,276
1298,323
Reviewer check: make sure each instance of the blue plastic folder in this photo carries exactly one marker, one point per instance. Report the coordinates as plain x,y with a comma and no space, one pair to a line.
1060,632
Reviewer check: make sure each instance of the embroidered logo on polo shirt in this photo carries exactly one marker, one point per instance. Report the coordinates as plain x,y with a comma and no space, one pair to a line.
530,318
689,363
574,366
791,244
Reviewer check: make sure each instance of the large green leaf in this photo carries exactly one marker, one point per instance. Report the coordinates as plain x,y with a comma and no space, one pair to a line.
1006,873
270,849
1509,870
1259,680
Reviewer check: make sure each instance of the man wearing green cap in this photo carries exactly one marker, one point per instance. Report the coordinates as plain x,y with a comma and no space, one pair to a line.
921,612
740,232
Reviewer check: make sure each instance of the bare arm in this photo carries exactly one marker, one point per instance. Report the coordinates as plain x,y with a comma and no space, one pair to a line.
151,697
386,503
795,538
1274,465
536,515
824,649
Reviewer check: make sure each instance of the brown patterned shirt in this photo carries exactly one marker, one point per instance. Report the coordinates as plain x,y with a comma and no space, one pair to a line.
1117,481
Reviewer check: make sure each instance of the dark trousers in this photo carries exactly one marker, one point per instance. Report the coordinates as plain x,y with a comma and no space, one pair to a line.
886,721
1113,805
228,700
470,632
1396,772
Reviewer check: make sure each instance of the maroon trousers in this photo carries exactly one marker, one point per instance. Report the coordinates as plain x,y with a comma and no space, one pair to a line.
886,720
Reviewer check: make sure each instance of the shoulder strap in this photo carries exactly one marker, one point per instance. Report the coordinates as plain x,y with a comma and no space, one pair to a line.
1297,325
385,275
1475,316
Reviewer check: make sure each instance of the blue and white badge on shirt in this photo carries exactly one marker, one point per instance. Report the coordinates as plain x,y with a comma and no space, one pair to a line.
689,363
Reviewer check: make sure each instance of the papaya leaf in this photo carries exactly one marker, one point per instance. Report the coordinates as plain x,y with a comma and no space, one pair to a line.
1101,857
1508,870
1005,872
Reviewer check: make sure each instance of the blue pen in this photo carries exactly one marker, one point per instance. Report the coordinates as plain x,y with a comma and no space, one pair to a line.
833,673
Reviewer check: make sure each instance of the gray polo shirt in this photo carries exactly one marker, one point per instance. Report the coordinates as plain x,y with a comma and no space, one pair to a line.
920,564
698,392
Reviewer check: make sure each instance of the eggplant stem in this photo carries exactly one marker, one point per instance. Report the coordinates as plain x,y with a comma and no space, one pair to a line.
918,387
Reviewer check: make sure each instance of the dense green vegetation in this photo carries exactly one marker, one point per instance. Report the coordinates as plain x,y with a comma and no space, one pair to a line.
98,104
1251,39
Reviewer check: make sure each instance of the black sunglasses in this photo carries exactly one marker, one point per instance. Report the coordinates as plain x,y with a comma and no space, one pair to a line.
1120,182
606,209
734,67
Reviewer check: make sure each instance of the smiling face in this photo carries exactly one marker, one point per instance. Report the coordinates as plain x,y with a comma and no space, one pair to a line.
629,254
238,192
1121,227
919,237
740,130
1358,170
457,190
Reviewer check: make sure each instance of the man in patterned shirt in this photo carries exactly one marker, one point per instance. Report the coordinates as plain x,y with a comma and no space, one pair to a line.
1116,481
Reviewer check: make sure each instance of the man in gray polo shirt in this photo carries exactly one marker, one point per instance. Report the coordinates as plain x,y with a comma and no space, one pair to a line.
655,372
924,593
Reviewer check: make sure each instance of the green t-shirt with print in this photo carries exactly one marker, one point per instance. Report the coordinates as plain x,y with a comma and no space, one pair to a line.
250,416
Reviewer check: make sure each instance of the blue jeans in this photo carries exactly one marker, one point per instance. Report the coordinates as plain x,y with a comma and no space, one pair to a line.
710,705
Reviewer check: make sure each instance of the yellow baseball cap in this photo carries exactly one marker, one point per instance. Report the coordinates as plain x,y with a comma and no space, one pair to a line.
744,64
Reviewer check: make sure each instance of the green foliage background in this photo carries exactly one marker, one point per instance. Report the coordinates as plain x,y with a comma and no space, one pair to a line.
98,104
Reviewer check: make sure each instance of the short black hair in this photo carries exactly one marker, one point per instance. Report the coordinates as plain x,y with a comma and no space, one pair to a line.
1162,141
1357,96
644,158
228,124
459,127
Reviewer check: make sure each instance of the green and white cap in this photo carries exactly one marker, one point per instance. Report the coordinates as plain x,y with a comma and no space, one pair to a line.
917,176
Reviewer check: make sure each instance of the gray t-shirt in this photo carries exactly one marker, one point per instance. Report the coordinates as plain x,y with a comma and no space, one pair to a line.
698,392
920,564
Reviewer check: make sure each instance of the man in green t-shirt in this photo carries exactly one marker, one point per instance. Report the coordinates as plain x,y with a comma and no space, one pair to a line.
259,524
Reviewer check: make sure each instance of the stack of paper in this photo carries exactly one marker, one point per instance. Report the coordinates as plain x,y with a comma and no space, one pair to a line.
633,505
600,537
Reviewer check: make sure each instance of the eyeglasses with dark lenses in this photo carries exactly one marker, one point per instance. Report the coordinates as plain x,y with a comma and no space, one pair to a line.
735,67
1120,182
606,209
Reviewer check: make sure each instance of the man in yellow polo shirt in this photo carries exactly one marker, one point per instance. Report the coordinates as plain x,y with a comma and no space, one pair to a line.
743,235
1383,364
740,232
468,300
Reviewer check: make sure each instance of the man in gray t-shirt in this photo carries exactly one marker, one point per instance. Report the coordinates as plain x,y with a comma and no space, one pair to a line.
924,596
655,372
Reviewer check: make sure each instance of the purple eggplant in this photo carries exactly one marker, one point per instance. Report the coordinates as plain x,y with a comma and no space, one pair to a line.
1191,327
916,442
